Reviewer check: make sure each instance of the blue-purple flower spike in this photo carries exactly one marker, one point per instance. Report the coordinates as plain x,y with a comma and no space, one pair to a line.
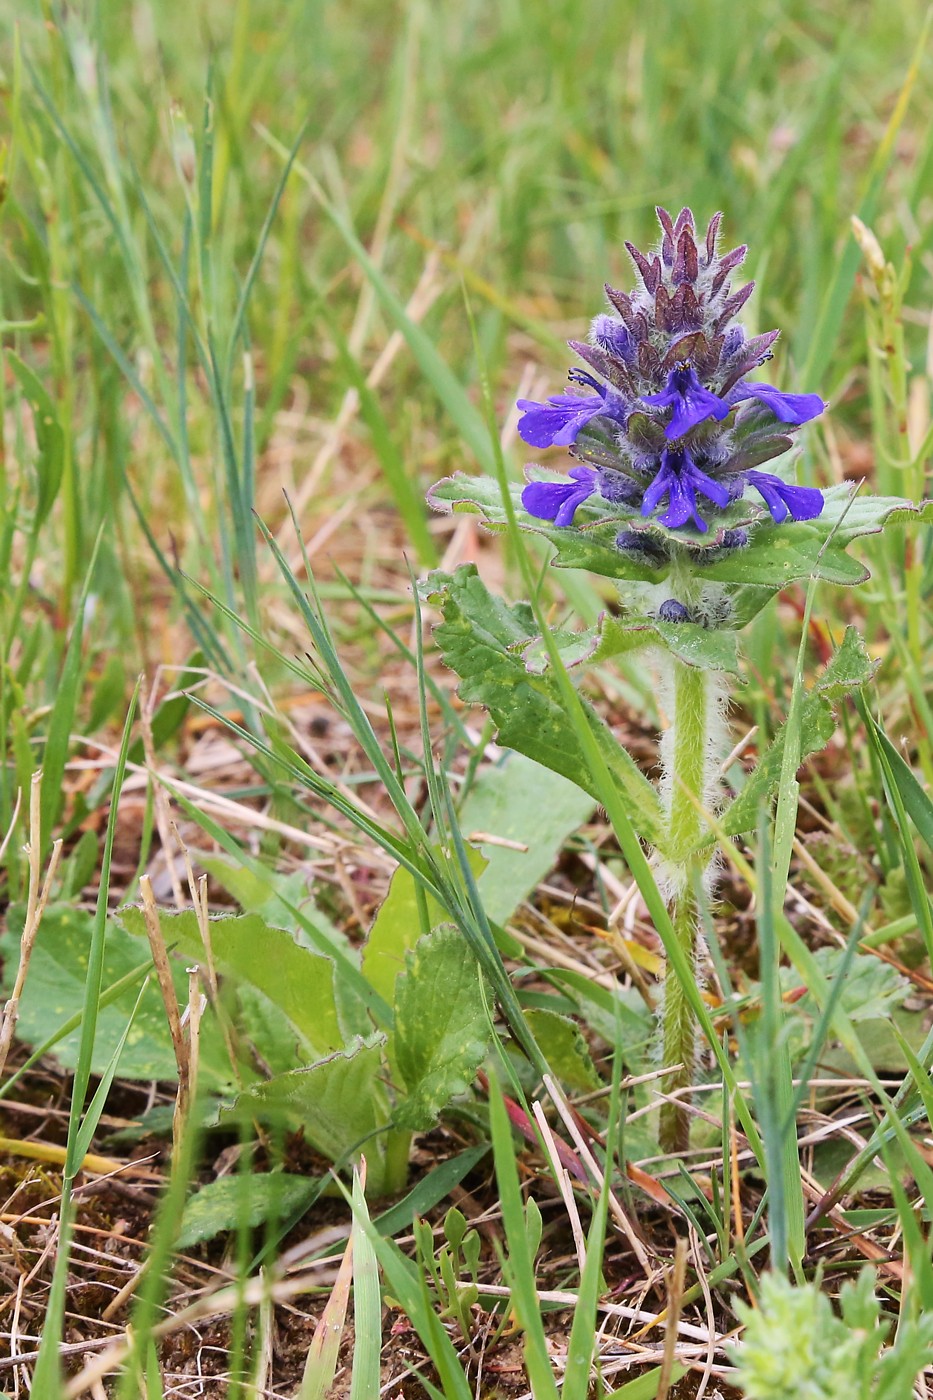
664,412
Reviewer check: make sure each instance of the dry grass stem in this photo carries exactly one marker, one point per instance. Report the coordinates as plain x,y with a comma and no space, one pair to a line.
570,1123
562,1179
163,969
36,900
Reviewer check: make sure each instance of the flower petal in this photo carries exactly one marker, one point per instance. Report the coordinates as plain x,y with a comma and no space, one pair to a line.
715,491
658,489
783,499
557,422
787,408
692,404
679,479
558,500
682,506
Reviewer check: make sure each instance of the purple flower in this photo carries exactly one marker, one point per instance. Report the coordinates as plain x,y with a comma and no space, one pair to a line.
558,500
692,404
610,334
652,415
557,422
782,499
680,479
787,408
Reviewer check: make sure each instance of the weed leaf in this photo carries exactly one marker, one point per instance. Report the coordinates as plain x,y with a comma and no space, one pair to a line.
441,1025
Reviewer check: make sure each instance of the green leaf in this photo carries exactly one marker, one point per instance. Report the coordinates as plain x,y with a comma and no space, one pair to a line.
441,1026
514,800
781,554
619,1017
54,992
367,1303
272,895
564,1048
429,1191
518,800
867,515
277,898
299,983
481,639
398,926
849,668
339,1102
916,802
711,649
232,1200
645,1387
872,989
50,439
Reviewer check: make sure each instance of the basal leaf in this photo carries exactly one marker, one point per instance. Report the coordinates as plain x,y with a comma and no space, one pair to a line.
299,983
275,897
519,801
339,1102
481,639
398,926
872,989
564,1047
514,801
223,1204
620,1017
441,1026
54,992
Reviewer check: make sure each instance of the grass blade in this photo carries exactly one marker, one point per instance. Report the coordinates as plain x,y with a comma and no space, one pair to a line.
47,1376
367,1303
519,1268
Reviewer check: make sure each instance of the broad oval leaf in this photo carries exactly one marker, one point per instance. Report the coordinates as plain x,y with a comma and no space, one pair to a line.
231,1200
340,1102
245,948
442,1026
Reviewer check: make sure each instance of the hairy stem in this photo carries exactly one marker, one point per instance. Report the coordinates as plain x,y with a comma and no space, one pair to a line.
679,1030
692,761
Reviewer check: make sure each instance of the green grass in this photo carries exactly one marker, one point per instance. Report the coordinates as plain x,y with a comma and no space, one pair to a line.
315,248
